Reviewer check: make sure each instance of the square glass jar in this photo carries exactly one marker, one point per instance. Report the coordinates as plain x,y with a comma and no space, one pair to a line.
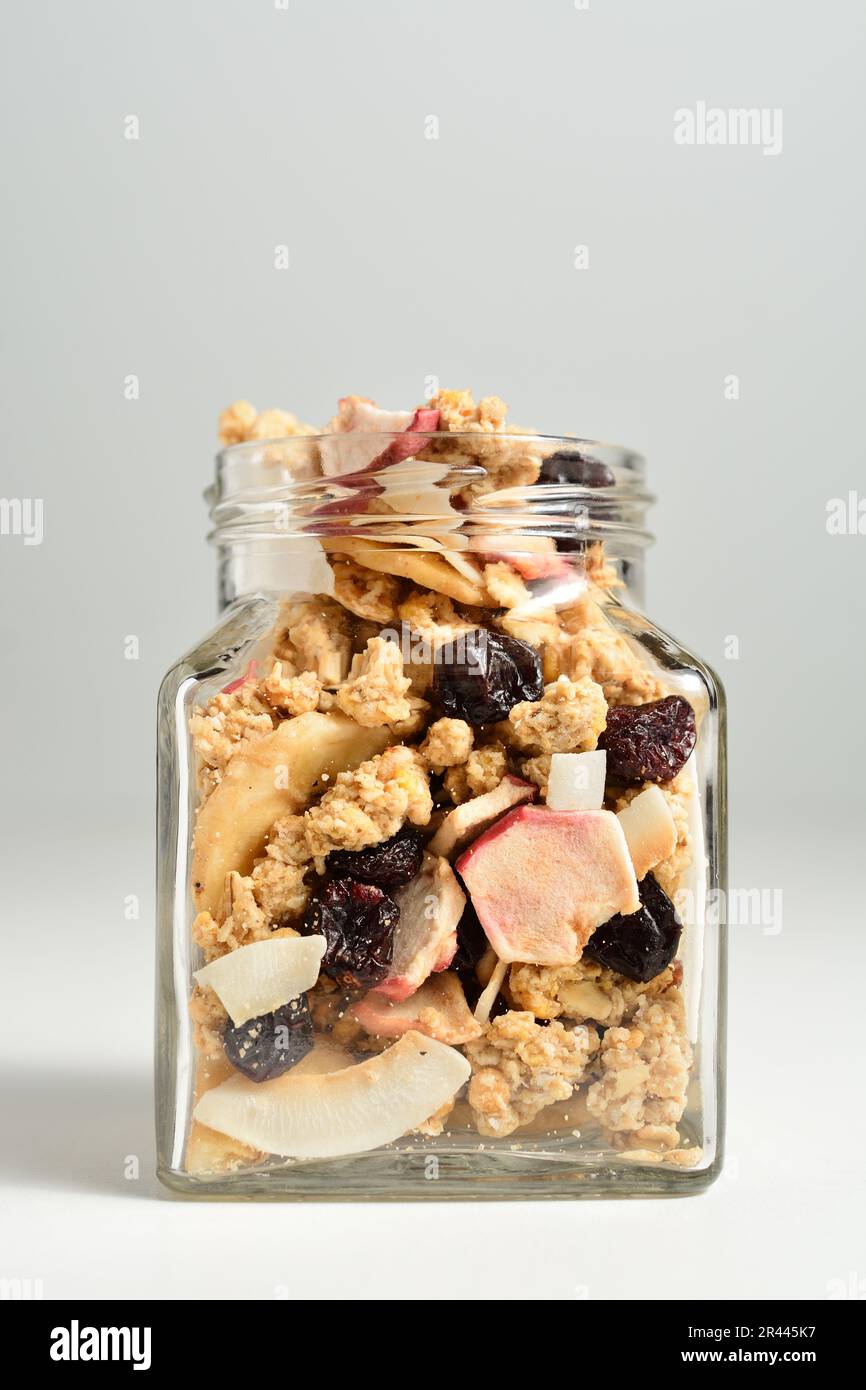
605,1085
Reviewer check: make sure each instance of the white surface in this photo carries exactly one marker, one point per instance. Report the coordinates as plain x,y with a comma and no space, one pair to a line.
785,1220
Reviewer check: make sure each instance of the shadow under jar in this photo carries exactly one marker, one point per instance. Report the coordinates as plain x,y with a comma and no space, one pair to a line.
441,828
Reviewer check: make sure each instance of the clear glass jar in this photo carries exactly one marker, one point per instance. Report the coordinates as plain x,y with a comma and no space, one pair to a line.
406,1070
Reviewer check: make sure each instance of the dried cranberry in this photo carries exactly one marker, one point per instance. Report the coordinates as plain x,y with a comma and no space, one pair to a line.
482,674
649,743
388,864
643,944
571,466
358,922
265,1047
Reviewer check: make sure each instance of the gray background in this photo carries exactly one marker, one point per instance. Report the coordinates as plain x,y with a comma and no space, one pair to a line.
413,257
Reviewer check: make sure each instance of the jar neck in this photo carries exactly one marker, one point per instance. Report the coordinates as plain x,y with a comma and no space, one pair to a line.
471,501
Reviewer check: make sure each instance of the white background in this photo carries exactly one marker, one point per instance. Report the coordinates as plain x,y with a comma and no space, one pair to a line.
409,258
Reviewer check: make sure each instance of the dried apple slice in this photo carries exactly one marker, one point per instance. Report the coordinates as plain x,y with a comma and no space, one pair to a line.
273,777
428,570
261,977
344,1112
425,941
468,820
438,1009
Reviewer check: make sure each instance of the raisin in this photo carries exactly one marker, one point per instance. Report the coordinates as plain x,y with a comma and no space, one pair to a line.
358,922
388,864
482,674
649,743
571,466
265,1047
643,944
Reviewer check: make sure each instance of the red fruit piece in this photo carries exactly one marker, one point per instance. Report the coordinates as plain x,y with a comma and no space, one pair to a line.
249,675
542,881
649,743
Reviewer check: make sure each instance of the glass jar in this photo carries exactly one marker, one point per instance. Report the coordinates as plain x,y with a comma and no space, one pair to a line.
441,831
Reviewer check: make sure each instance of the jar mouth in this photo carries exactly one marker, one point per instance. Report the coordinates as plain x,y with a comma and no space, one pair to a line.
463,483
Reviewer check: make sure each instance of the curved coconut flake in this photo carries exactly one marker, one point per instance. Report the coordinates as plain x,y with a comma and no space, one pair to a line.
344,1112
488,996
261,977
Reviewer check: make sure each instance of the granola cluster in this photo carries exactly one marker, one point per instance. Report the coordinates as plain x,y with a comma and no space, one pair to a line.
520,1067
394,784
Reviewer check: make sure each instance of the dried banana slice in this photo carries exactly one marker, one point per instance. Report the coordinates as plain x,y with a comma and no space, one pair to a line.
430,571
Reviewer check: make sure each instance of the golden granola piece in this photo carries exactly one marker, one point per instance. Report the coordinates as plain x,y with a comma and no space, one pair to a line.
567,719
434,618
541,630
669,872
365,592
505,585
209,1018
291,694
241,422
484,437
483,770
287,841
414,721
315,634
584,992
280,889
434,1126
537,770
242,920
458,412
370,804
448,742
592,647
519,1068
228,722
641,1096
376,691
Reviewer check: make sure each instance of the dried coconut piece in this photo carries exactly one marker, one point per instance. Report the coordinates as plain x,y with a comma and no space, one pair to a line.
491,991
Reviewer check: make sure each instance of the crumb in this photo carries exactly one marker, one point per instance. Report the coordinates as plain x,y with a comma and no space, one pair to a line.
370,804
365,592
520,1067
482,772
644,1068
584,992
567,719
448,742
291,694
375,694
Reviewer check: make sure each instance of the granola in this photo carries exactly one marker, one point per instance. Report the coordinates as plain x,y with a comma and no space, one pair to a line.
412,840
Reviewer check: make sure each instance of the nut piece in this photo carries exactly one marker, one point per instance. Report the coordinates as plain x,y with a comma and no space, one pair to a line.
520,1067
376,692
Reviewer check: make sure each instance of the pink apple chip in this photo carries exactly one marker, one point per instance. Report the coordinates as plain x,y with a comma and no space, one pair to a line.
468,820
425,941
541,881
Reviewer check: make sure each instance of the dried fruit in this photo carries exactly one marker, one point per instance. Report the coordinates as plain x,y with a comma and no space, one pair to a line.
265,1047
358,922
649,743
387,864
571,466
643,944
482,674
